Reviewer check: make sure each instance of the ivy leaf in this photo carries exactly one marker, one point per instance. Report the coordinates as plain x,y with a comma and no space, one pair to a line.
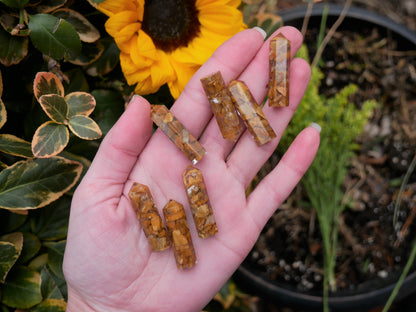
3,114
22,288
80,103
47,83
86,31
13,49
13,145
35,183
49,139
107,61
55,107
50,305
84,127
10,249
54,37
56,257
17,4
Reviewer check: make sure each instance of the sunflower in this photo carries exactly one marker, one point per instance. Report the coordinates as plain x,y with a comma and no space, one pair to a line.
166,41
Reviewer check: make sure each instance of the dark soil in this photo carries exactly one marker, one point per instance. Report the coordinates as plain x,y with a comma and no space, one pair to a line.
371,247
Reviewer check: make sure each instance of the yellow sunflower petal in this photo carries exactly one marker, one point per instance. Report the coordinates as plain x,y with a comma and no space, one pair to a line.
119,21
183,74
162,71
224,20
132,73
111,7
145,87
200,4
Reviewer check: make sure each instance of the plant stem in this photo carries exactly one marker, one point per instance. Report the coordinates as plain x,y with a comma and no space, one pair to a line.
402,277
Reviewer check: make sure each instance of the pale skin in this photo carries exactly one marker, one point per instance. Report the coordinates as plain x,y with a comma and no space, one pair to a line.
108,263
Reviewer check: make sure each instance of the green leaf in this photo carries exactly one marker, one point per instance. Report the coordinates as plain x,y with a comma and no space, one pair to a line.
13,145
55,107
22,288
51,222
31,246
110,106
107,61
54,36
49,288
50,305
77,81
39,262
80,103
56,257
84,127
90,53
3,113
86,31
47,83
47,6
10,249
49,139
18,4
10,222
13,49
35,183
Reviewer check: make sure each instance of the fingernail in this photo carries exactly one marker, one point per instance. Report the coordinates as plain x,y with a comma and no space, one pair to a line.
261,31
316,126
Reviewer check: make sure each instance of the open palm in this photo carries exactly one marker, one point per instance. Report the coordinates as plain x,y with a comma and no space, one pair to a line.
108,263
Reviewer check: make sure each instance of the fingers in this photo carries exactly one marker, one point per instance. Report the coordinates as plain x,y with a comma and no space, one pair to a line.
124,142
192,107
256,77
278,184
246,151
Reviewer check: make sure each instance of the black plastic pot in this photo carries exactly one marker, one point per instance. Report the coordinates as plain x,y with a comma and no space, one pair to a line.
373,294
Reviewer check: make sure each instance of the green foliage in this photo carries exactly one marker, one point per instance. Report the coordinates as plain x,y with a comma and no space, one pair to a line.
342,122
60,84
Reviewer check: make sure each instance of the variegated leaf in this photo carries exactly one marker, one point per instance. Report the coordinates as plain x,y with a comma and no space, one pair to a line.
86,31
10,248
13,49
37,182
55,107
84,127
3,114
50,305
22,288
80,103
47,83
13,145
49,139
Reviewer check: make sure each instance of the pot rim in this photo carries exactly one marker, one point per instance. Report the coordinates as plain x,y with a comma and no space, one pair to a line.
353,12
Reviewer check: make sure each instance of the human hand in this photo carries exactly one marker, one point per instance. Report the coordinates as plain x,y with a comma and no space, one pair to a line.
108,263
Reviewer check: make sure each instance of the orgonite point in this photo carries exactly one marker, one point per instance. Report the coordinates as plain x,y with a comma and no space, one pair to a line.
199,202
149,218
251,113
279,58
222,107
183,248
177,133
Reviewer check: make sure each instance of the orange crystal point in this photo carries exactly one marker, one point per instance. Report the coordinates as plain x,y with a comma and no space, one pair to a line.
251,113
222,107
149,218
177,133
279,58
183,248
199,202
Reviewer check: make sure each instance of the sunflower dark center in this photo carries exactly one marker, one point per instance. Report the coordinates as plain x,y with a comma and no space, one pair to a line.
170,23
